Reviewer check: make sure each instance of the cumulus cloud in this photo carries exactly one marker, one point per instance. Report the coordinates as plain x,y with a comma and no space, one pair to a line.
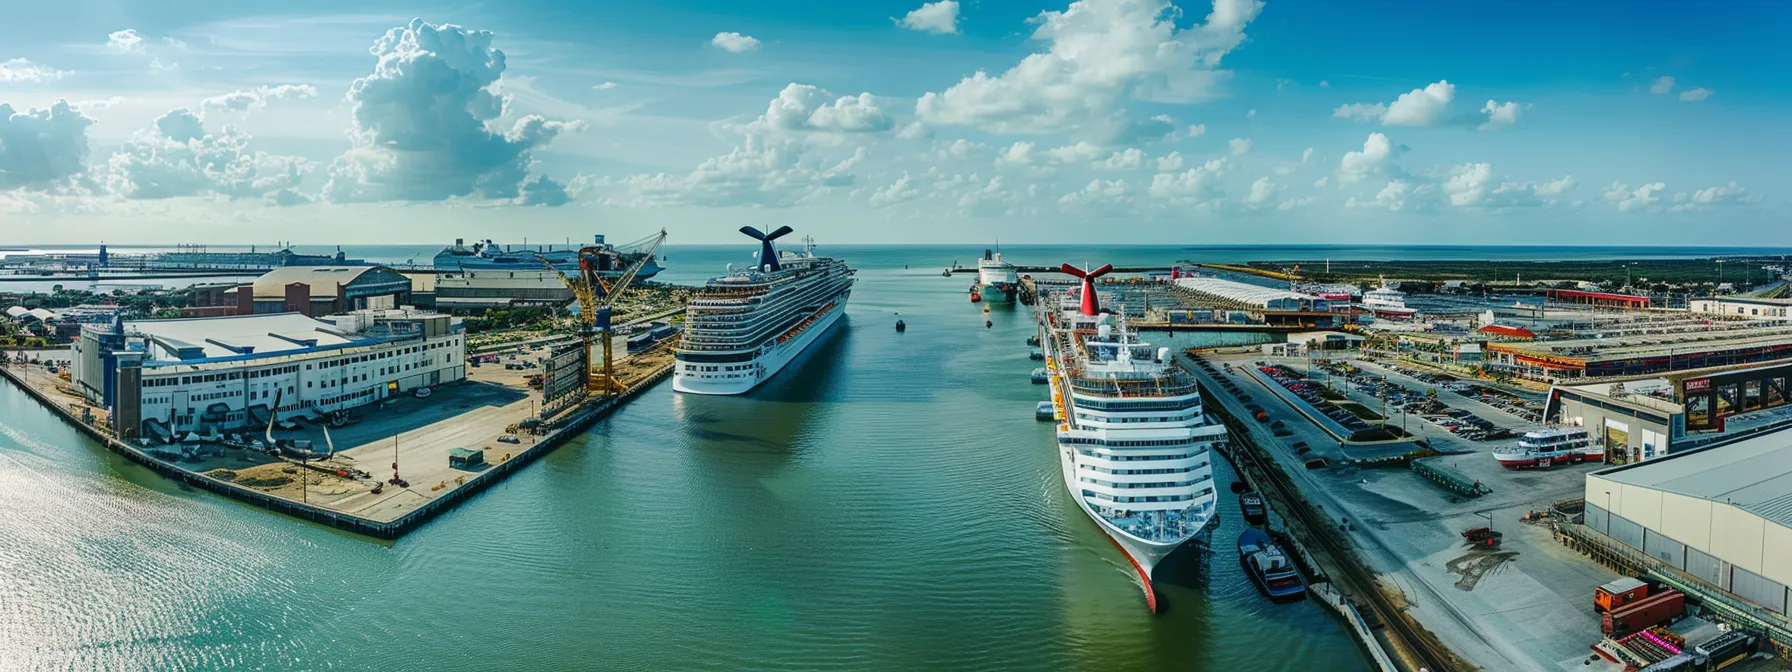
19,70
1097,53
1097,191
735,42
938,18
1169,162
1200,183
1729,194
903,189
1017,154
1645,198
424,123
1473,185
1398,196
605,86
764,171
1376,159
1130,158
800,107
1263,192
1662,85
1239,146
1429,106
125,41
1293,203
39,147
1197,130
254,99
1695,95
1081,152
1306,157
1499,116
177,157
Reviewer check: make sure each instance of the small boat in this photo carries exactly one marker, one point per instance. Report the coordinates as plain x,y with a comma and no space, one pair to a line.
1033,340
1045,412
1251,503
1269,567
975,297
901,326
1041,376
1036,355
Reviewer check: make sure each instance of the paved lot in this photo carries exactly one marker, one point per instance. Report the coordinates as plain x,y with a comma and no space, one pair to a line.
1526,606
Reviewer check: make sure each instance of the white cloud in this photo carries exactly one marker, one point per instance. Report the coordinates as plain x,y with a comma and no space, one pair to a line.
1197,130
903,189
1498,115
1239,146
1360,111
39,147
1376,159
256,98
1097,54
1695,95
1201,183
1662,85
1130,158
735,42
1421,107
1097,191
1169,162
1398,196
424,123
763,172
605,86
800,107
1081,152
177,157
1293,203
1306,157
938,18
1643,198
19,70
126,41
1556,187
1262,193
1729,194
1321,182
915,130
958,149
1323,84
1018,154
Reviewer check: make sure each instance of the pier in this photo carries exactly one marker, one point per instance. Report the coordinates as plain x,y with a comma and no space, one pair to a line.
403,509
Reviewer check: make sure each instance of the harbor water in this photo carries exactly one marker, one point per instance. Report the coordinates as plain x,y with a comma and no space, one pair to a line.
887,503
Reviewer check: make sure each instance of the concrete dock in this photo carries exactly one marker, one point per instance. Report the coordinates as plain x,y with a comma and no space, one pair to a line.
418,434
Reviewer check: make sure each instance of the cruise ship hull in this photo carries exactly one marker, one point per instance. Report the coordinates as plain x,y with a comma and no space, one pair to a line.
766,366
1143,555
993,293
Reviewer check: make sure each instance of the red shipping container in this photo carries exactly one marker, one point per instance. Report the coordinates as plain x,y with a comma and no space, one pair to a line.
1640,615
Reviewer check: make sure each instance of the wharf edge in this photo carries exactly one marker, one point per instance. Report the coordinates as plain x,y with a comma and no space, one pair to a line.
380,530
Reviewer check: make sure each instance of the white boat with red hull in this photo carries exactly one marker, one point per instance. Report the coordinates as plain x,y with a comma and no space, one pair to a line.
1549,447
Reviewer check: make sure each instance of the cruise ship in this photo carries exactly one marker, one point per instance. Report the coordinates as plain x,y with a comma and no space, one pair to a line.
997,281
1133,443
1387,302
486,255
1547,447
743,327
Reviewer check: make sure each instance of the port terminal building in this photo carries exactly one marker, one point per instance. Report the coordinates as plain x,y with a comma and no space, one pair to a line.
313,291
1754,309
1646,418
1272,306
1638,354
165,378
1718,519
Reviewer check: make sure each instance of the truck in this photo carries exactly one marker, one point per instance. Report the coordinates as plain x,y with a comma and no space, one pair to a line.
1644,613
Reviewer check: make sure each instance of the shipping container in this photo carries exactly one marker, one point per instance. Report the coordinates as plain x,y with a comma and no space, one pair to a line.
1618,593
1649,611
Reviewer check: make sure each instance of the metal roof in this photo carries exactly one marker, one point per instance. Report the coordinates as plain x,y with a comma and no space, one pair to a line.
218,337
1753,474
323,280
1242,292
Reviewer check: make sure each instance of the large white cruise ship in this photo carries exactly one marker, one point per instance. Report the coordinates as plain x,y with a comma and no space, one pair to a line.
743,327
1133,443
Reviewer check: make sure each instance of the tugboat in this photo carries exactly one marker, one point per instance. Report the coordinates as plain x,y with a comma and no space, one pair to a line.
1269,567
1251,502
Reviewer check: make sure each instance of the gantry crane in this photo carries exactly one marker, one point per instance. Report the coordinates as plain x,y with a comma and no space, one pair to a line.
596,298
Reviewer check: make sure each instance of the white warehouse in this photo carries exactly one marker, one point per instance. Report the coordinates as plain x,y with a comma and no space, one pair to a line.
1722,515
1256,296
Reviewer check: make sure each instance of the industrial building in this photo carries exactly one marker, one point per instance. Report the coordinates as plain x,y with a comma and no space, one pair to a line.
1642,353
1252,296
481,289
164,378
1645,418
1719,517
1598,299
1741,307
326,290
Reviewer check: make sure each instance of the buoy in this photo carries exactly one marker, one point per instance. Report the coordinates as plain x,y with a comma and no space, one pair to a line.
988,324
901,327
975,297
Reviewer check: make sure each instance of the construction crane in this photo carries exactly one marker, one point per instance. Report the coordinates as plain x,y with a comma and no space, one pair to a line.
596,299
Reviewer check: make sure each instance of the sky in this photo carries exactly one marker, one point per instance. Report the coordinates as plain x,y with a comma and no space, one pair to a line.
972,121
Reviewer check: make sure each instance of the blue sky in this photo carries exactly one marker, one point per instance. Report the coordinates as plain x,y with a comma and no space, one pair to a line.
1122,121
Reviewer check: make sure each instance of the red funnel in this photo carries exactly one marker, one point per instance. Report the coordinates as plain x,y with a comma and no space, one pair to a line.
1091,304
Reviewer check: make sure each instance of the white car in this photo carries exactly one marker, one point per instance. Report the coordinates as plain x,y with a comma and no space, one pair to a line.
421,393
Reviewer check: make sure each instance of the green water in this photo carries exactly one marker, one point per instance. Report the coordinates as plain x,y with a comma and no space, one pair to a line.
888,503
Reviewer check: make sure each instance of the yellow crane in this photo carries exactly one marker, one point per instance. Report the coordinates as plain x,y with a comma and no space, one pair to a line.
596,299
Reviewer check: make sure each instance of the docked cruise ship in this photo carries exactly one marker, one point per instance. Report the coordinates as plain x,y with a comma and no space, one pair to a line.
1387,302
997,281
1133,443
743,327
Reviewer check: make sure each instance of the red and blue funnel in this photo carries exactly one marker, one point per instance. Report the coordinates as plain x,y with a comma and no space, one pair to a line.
1091,304
767,255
